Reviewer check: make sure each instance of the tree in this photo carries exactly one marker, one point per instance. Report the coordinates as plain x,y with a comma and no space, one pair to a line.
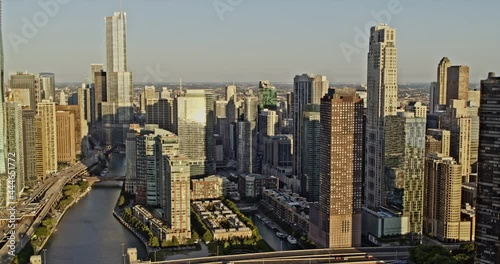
195,236
121,201
41,231
175,241
153,242
164,243
49,222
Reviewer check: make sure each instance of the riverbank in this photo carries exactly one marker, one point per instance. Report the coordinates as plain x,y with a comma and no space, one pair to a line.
61,215
131,229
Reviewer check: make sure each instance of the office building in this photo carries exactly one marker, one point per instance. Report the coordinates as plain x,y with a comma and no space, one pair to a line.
45,139
443,195
307,89
341,170
382,101
25,89
441,92
457,86
131,159
488,191
195,113
100,93
66,136
48,86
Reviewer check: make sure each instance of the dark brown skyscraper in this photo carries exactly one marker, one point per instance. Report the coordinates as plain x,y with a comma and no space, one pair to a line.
341,169
457,86
100,93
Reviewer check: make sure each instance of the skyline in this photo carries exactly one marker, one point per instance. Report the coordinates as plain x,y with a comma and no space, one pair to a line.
160,52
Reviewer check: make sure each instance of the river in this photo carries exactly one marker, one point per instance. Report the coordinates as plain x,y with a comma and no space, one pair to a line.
88,233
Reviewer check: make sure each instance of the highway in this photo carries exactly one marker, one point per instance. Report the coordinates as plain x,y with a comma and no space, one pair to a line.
353,255
26,228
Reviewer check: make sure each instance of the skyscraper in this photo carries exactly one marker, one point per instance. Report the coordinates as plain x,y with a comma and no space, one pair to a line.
46,139
457,85
95,68
442,82
310,154
195,129
443,184
382,101
119,80
25,89
29,147
488,191
307,89
66,138
230,92
244,144
458,122
48,86
341,170
404,154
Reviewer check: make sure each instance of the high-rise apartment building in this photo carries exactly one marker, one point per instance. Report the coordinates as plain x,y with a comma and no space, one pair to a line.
307,89
457,85
177,189
152,144
29,147
404,158
66,136
382,101
438,141
46,139
15,146
458,122
310,155
244,151
195,113
488,191
442,201
131,161
75,110
341,170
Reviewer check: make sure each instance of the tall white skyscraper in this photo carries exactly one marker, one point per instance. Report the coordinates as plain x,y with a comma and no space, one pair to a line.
117,111
382,101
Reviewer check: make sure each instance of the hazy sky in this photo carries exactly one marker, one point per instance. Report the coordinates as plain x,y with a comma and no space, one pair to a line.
250,40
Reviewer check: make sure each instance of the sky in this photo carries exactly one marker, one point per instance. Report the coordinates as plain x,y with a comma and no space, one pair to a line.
250,40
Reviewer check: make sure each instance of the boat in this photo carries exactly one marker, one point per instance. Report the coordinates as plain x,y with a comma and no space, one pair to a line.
264,219
291,240
271,225
258,216
280,235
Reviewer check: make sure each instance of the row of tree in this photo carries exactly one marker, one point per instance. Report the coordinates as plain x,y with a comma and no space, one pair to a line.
144,230
432,254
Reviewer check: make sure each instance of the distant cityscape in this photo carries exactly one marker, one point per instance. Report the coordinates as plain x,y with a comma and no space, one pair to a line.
309,171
